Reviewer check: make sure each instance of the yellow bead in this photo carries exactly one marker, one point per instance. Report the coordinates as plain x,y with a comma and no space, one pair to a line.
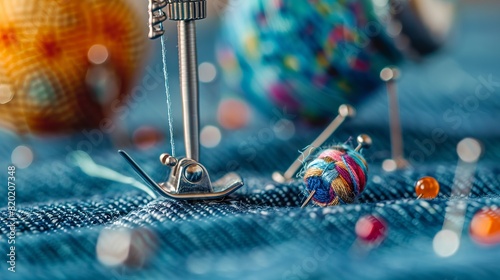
427,188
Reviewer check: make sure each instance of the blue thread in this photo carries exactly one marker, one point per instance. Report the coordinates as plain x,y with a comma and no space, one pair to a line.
167,92
321,187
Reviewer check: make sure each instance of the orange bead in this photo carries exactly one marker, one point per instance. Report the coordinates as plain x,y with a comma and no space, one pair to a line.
427,188
485,227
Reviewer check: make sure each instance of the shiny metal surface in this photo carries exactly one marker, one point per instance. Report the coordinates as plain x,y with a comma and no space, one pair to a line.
364,142
156,17
188,178
187,9
188,75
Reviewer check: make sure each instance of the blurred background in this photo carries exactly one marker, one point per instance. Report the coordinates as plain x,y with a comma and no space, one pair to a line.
122,72
83,76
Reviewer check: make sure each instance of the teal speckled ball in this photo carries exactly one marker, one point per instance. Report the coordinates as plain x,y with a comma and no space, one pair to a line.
305,57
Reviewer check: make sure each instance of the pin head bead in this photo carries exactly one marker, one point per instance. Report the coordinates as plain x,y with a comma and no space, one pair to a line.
364,140
126,248
427,188
347,111
278,177
469,150
389,74
371,229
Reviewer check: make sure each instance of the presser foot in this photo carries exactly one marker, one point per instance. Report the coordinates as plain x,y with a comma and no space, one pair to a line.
189,180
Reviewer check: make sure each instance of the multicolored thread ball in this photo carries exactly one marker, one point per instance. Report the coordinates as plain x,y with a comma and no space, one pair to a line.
67,65
305,57
338,175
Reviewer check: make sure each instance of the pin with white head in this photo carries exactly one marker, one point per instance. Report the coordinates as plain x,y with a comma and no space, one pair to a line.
469,150
345,112
397,161
447,241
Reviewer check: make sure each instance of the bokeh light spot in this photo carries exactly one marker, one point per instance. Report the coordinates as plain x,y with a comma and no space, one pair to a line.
22,157
446,243
389,165
98,54
6,93
124,247
284,129
210,136
146,137
233,114
207,72
469,150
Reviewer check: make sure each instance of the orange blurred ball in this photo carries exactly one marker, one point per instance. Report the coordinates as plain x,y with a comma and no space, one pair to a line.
146,137
427,188
485,227
49,61
233,114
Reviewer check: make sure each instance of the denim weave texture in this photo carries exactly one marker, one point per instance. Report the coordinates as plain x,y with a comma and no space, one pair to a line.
260,231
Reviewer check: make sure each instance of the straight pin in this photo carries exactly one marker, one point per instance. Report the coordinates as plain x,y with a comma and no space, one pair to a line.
364,142
308,199
390,75
345,111
447,241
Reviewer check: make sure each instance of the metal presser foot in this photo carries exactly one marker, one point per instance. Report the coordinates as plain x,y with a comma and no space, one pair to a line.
188,179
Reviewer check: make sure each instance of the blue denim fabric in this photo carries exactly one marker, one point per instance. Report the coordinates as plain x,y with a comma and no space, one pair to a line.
260,232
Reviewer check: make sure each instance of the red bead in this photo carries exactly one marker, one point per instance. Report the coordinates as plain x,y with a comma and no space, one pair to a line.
371,229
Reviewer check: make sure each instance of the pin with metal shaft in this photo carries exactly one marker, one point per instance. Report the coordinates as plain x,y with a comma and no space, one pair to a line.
345,111
447,241
389,76
364,142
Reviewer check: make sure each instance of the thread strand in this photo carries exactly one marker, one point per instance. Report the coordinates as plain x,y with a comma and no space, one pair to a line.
167,93
337,176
